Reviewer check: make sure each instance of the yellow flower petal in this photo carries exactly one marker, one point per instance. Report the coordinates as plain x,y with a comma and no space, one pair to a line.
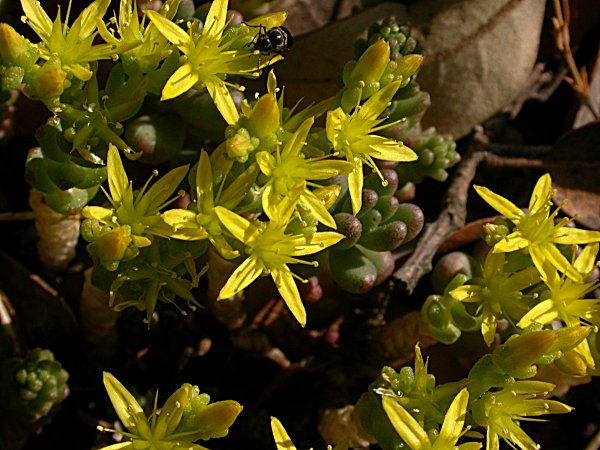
243,276
269,21
239,227
488,327
355,185
180,82
126,406
87,20
215,19
160,192
118,183
405,425
289,292
307,245
541,193
378,102
204,183
237,190
454,420
282,439
542,313
311,203
586,260
467,293
98,213
295,144
223,101
499,203
511,243
170,30
37,18
576,236
552,254
391,150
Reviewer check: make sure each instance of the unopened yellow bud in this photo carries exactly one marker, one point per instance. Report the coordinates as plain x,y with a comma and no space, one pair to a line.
517,356
112,246
573,363
240,144
372,63
47,82
407,67
264,119
15,50
570,337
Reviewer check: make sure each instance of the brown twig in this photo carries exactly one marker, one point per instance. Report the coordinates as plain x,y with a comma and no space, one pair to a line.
452,217
579,82
594,444
454,213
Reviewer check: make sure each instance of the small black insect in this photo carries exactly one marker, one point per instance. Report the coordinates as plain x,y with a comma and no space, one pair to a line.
276,40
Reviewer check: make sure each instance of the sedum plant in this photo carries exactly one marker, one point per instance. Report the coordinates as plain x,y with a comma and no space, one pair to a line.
283,440
270,160
186,417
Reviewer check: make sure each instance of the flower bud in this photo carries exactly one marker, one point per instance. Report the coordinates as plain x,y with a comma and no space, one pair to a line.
47,82
203,420
15,50
240,145
572,363
113,245
407,67
264,118
372,63
518,355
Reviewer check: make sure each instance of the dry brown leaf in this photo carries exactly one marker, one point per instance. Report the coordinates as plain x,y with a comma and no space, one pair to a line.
305,16
312,69
574,163
479,54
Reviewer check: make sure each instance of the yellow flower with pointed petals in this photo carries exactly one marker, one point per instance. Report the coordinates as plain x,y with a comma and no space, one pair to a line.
413,434
497,293
565,300
186,416
502,411
72,45
283,440
270,249
153,46
203,223
351,135
536,230
287,168
209,58
134,216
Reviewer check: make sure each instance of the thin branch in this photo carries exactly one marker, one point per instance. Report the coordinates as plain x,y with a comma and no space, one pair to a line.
452,217
579,82
594,444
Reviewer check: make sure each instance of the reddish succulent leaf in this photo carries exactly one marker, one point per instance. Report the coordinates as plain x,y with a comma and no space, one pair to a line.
468,234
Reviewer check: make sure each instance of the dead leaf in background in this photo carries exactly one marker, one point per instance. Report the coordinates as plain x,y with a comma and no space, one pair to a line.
574,163
479,54
305,16
312,69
